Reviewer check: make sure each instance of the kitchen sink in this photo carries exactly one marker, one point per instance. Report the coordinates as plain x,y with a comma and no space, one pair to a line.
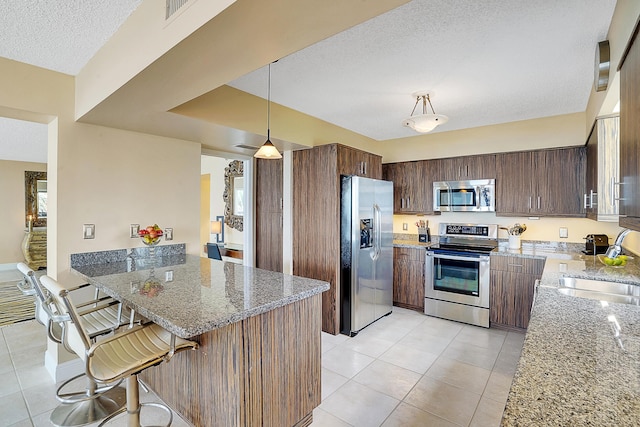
600,290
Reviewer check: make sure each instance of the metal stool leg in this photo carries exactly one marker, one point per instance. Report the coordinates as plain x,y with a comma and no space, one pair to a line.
89,411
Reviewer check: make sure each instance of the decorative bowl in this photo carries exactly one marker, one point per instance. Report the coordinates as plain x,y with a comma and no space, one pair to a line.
151,235
618,262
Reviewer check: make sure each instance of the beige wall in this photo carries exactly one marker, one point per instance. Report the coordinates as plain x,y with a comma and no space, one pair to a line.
12,214
557,131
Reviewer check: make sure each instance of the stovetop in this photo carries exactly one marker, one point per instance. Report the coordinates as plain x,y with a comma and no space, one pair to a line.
476,238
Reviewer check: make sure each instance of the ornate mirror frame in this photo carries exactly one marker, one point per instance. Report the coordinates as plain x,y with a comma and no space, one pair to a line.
31,179
234,170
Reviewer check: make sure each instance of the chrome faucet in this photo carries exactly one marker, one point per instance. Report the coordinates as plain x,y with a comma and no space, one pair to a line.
615,249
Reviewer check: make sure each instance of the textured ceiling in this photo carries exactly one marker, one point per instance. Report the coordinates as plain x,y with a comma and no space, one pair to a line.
59,35
486,61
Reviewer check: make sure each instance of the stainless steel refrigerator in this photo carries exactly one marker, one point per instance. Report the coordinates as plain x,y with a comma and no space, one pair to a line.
366,252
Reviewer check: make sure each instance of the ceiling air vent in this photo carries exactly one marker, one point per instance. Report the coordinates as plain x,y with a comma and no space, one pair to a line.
247,147
174,5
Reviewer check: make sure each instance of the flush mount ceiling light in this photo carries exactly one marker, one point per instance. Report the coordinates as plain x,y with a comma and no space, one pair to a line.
425,122
268,150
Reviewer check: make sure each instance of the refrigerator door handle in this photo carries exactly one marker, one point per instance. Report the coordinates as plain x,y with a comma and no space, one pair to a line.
377,231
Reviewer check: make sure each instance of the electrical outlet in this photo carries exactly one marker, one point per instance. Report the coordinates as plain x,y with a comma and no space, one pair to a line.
405,226
564,232
89,231
133,230
168,234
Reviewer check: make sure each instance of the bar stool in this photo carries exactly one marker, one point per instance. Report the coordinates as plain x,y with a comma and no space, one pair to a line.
123,355
100,317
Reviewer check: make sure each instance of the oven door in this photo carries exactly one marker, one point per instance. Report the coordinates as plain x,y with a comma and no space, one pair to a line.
460,277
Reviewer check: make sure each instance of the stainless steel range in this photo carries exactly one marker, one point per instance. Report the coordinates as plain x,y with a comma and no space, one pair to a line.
457,273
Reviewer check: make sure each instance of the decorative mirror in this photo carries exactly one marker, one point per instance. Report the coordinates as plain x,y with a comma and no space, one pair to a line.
35,196
233,195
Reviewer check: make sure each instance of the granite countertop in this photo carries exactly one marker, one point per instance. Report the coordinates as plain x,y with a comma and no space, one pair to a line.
410,244
198,294
574,370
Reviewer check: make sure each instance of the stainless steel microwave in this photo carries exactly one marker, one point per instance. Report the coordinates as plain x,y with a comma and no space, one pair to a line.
476,195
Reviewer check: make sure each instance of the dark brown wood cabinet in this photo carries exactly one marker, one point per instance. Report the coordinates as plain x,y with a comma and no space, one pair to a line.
630,135
512,289
467,168
269,214
408,278
412,185
316,216
541,183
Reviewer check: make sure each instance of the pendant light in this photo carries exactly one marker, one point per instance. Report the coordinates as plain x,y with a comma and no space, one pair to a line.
268,150
424,122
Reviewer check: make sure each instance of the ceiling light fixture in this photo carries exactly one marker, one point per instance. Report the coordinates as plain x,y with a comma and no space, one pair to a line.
268,150
424,122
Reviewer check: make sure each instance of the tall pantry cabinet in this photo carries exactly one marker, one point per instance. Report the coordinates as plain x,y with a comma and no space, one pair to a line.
316,216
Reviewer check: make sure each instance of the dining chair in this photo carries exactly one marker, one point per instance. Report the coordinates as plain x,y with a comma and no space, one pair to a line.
121,356
100,316
213,251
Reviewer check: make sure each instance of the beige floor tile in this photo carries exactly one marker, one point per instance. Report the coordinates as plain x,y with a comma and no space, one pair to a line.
29,357
331,381
472,354
371,345
23,423
9,383
345,362
3,345
444,400
34,376
13,409
388,379
423,341
498,387
468,377
42,420
409,416
387,331
409,358
488,414
41,398
322,418
439,327
359,405
6,364
482,337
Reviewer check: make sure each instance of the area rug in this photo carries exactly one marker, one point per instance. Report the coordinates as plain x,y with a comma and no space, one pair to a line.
14,306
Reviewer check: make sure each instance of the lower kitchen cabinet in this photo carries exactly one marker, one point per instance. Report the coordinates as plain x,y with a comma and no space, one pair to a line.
512,289
408,278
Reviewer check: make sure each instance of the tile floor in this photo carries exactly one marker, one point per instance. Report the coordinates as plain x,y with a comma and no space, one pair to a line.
407,369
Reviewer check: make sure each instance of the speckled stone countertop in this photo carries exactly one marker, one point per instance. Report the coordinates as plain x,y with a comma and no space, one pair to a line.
410,244
197,294
574,370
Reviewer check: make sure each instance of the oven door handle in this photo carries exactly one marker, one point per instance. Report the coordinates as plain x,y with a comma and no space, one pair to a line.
482,258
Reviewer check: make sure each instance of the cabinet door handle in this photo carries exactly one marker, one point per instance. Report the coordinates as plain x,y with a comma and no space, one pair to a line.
467,170
586,196
529,202
591,196
515,265
613,194
539,202
364,167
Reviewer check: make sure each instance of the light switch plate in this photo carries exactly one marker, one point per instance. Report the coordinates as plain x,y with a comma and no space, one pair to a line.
89,231
168,234
405,226
133,230
564,232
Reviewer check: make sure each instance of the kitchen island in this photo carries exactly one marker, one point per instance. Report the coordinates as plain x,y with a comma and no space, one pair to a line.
259,333
580,364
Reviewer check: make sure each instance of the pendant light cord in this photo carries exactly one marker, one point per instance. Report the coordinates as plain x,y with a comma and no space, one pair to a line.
269,104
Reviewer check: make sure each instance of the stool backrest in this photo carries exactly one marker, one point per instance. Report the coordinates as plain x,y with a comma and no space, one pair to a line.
39,293
75,338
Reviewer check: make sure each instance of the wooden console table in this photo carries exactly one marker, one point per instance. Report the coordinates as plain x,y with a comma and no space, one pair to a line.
34,248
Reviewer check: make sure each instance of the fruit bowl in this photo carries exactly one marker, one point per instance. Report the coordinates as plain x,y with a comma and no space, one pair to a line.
151,235
618,262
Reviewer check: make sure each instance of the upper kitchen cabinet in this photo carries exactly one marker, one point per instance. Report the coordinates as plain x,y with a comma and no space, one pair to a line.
467,168
316,216
541,183
630,136
357,162
412,185
603,159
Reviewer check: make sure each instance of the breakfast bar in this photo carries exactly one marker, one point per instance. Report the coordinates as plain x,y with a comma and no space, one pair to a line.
259,334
